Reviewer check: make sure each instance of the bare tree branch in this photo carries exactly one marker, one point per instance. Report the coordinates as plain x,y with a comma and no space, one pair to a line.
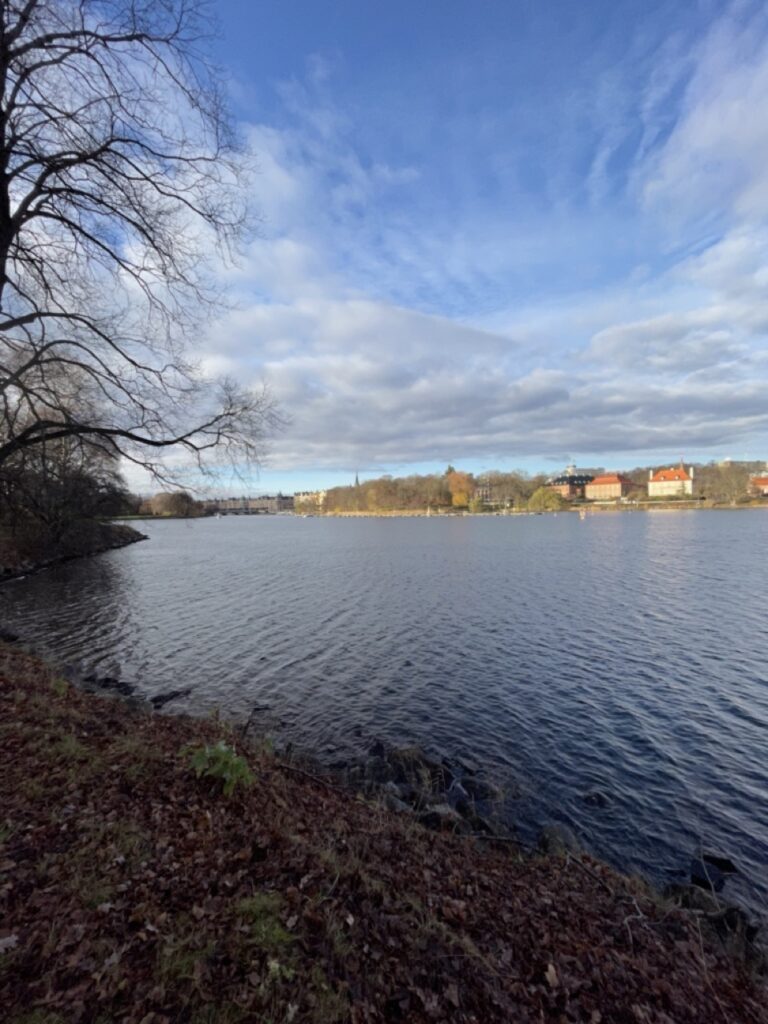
120,181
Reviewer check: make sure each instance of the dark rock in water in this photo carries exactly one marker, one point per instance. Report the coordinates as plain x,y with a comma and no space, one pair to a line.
466,809
110,683
707,876
557,840
377,749
393,789
378,771
468,765
481,789
411,795
7,637
730,924
412,766
443,816
457,795
479,825
596,798
393,799
161,699
724,864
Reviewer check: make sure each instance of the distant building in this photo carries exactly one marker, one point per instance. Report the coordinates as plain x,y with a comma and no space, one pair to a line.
309,501
265,503
571,483
670,483
759,485
608,487
272,503
483,490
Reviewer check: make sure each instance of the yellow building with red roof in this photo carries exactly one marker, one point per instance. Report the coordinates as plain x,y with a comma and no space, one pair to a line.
608,487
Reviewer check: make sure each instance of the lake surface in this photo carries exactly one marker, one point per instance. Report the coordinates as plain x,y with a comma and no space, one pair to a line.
624,653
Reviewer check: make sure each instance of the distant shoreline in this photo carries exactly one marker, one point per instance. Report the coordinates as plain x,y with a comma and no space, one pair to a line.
588,510
581,509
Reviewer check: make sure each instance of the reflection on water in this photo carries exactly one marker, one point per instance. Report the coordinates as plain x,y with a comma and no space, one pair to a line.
624,653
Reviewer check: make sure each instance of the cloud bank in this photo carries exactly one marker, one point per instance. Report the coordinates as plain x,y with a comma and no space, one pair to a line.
614,305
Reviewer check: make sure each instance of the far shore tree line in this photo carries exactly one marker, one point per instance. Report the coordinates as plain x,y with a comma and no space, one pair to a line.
719,483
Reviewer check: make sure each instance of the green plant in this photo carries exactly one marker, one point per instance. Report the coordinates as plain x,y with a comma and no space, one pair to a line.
222,763
177,961
70,748
262,914
60,687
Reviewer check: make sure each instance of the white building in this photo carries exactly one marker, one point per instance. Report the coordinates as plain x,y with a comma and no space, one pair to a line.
670,483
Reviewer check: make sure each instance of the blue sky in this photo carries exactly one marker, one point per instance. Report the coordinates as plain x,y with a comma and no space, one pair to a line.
501,234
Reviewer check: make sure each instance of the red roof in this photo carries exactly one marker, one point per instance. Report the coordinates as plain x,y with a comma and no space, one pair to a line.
760,481
609,478
678,473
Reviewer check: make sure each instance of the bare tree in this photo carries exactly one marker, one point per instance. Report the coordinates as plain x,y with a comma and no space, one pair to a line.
119,178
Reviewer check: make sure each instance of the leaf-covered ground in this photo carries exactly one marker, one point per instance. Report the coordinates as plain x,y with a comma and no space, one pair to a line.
132,890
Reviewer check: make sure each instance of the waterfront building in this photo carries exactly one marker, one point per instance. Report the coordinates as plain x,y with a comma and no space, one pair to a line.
265,503
677,481
759,485
608,487
571,483
309,501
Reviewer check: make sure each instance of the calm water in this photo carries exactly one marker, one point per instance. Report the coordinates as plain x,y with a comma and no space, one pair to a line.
627,653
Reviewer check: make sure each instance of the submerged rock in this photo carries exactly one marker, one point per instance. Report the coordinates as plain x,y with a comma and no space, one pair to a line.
457,795
724,864
468,765
707,876
410,781
732,926
411,765
110,683
161,699
394,803
481,789
442,816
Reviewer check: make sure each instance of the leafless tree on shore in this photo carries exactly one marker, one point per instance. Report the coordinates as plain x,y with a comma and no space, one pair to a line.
119,182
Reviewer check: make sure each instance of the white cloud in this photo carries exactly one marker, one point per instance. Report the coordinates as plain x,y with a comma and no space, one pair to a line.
715,161
338,295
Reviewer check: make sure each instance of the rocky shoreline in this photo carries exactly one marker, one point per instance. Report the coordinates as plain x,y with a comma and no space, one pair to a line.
132,888
295,900
96,540
457,796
